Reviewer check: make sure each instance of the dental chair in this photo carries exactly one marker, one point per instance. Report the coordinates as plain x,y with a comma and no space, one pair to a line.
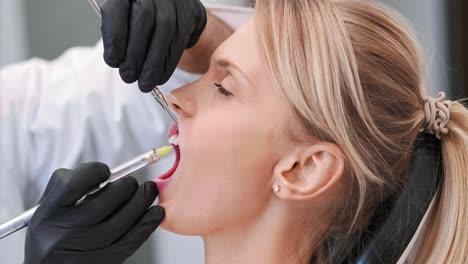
397,220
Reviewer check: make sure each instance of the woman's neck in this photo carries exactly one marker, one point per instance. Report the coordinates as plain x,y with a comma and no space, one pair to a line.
270,239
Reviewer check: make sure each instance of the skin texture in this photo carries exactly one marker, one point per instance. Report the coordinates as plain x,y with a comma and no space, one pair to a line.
233,149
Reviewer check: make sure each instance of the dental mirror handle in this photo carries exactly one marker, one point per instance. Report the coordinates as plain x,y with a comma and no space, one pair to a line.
161,99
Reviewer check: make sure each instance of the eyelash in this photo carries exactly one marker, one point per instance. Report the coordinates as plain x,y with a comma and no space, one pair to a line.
223,90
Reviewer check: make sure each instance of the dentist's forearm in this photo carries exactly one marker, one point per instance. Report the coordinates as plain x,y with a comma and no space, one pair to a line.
197,58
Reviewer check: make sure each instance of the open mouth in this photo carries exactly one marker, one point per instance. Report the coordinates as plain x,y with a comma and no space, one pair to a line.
173,134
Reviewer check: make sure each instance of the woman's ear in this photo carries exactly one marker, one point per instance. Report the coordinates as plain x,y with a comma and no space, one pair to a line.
308,171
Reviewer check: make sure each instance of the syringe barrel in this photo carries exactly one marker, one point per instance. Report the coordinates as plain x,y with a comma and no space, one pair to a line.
118,172
17,223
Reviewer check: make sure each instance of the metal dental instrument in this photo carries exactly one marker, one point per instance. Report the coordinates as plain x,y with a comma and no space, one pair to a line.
119,172
156,93
161,99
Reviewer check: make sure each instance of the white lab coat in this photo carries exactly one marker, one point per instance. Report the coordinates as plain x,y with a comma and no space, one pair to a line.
65,112
72,110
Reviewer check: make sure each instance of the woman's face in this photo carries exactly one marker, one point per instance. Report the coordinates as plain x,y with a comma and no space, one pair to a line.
231,134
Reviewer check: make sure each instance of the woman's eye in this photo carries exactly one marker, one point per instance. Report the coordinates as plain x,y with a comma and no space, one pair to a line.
223,90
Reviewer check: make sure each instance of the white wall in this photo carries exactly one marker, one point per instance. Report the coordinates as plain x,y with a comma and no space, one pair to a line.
56,25
13,32
428,17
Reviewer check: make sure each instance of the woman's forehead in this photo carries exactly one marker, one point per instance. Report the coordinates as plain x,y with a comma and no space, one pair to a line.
241,49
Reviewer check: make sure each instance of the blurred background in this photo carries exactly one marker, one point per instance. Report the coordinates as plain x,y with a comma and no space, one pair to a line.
46,28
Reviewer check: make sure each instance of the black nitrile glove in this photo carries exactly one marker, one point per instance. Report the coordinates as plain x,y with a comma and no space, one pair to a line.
146,38
107,227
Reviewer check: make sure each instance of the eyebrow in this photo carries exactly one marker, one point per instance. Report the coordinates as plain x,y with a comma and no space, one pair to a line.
225,63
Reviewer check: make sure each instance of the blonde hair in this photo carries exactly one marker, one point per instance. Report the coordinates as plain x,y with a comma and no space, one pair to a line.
353,76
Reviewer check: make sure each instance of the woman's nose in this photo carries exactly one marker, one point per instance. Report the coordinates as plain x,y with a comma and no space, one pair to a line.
180,103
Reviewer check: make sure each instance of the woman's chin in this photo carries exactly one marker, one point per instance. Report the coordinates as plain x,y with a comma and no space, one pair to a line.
166,225
171,222
177,227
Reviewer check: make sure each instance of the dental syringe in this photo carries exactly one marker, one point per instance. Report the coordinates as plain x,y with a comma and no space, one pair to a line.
119,172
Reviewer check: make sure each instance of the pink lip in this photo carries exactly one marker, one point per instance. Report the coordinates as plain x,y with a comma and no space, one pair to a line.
163,181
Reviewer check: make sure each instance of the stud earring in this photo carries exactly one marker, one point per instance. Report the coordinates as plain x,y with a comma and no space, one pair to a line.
276,188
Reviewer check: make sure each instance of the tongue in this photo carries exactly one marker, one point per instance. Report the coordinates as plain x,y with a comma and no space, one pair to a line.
171,171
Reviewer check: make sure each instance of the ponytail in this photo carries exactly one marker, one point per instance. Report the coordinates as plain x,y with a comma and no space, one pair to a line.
353,76
445,238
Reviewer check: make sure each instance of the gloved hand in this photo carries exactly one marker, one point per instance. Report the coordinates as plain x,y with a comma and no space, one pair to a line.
107,227
146,38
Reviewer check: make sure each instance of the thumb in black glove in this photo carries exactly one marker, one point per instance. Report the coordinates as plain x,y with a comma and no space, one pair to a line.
107,227
146,38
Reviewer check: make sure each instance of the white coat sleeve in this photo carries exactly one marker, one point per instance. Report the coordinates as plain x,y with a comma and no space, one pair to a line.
68,111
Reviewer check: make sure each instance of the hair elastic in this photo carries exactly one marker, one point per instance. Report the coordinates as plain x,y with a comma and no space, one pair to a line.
437,113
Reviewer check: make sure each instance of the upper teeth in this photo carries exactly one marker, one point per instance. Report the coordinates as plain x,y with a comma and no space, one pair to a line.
174,139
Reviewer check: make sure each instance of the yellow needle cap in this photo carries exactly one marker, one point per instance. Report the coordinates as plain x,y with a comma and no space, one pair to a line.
163,151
